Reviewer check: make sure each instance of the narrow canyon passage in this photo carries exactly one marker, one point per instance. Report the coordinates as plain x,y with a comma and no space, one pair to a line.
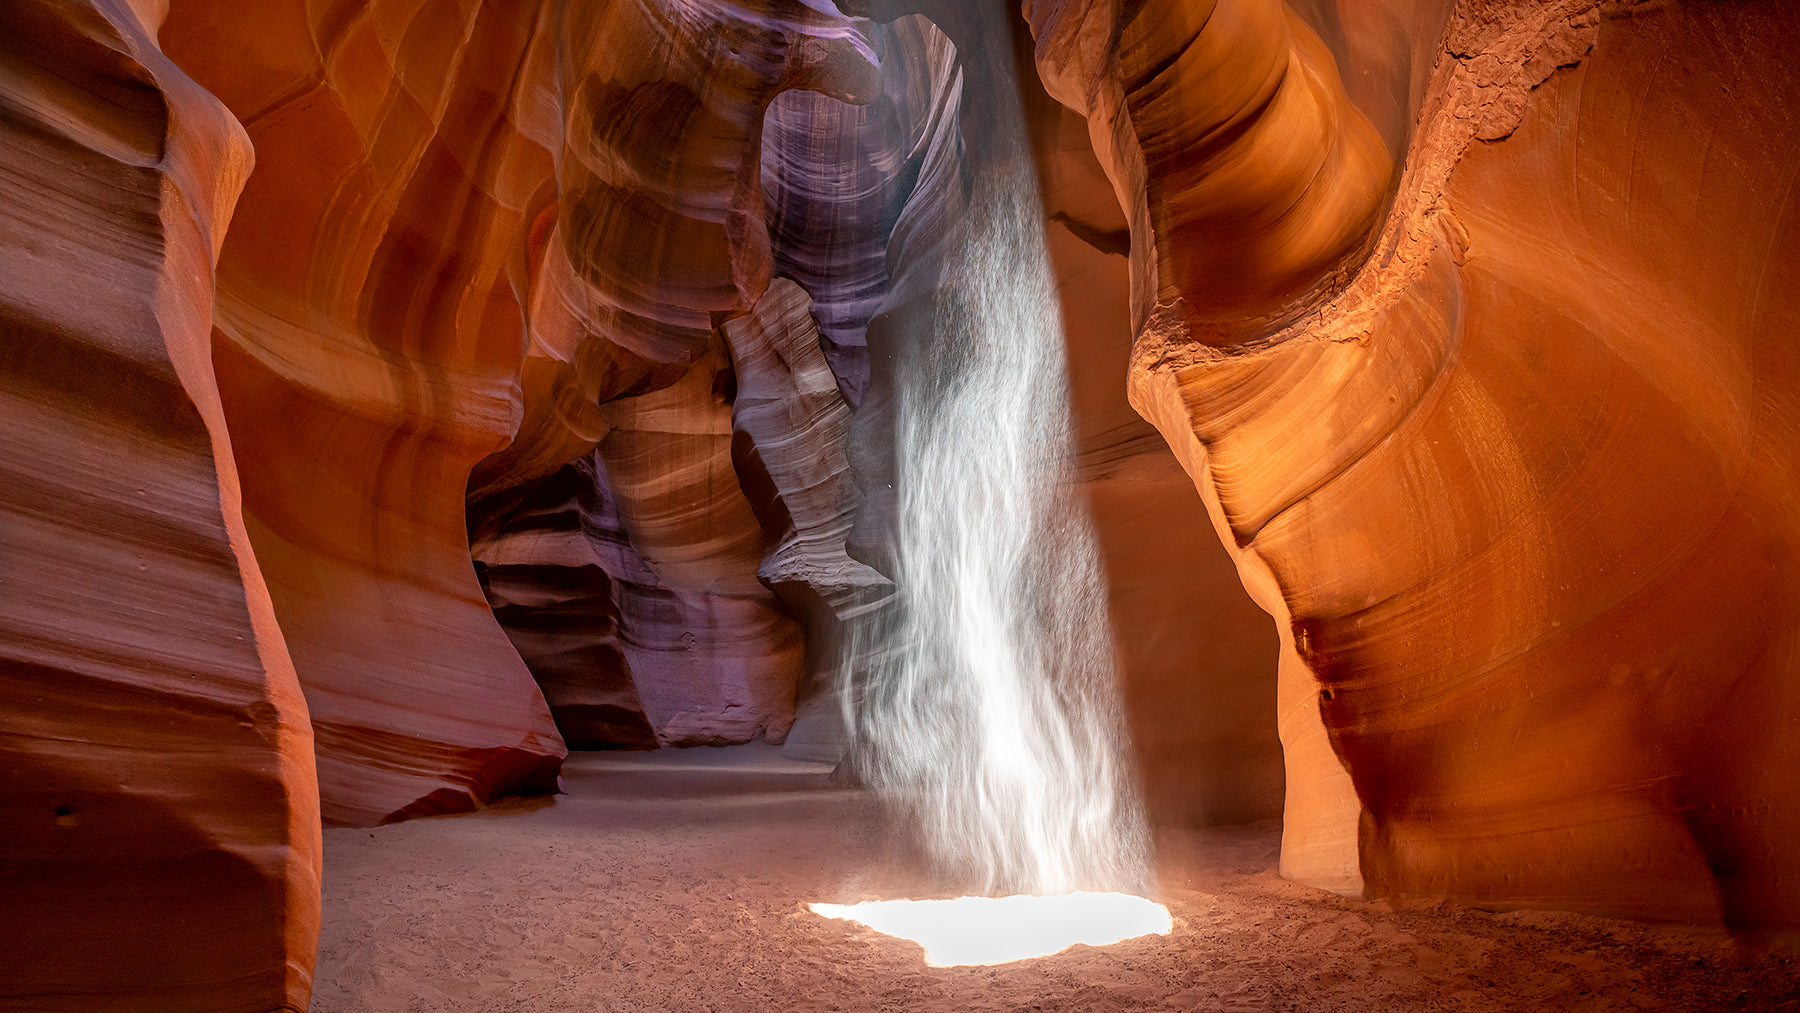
403,398
677,880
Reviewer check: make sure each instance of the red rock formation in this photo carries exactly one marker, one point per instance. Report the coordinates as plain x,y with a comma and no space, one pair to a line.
836,177
721,661
1623,556
659,229
619,249
552,570
626,658
790,427
367,344
161,842
1478,366
1516,489
1249,178
1242,210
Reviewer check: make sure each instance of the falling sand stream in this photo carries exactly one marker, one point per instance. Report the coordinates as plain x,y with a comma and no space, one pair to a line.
986,711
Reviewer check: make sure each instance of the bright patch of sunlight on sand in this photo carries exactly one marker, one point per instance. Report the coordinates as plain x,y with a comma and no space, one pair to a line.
997,930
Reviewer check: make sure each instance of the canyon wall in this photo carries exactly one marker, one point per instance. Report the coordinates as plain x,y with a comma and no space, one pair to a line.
1497,434
159,822
659,235
367,342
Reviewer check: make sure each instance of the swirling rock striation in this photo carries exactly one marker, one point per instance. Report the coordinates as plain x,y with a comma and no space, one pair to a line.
625,658
836,177
1196,657
1622,543
1249,178
161,841
1479,367
1513,487
658,232
720,659
790,426
658,215
367,344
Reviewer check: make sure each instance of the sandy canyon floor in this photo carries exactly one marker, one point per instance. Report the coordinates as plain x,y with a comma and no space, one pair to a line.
677,880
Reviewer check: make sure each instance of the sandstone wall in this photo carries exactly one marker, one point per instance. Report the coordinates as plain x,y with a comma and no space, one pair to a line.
367,341
658,234
1196,656
1514,481
159,833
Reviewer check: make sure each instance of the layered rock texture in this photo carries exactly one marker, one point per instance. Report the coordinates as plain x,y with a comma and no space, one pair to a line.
400,391
159,824
554,580
367,343
1512,488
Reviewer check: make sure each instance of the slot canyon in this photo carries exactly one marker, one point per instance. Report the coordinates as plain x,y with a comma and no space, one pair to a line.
480,521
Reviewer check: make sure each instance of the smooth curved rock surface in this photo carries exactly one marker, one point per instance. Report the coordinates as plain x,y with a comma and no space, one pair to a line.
1480,369
1517,489
719,659
1250,179
659,232
836,177
627,658
790,427
367,342
160,847
1623,549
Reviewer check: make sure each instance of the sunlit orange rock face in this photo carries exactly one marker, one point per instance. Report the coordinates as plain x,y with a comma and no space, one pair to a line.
367,342
1516,486
159,835
444,195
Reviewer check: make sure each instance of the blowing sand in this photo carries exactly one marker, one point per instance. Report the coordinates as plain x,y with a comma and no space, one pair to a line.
677,880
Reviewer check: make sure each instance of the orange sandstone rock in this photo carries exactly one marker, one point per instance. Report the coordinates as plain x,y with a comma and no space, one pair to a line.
367,341
659,218
161,839
658,230
1478,368
1616,419
1517,488
720,659
790,427
554,569
1249,178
